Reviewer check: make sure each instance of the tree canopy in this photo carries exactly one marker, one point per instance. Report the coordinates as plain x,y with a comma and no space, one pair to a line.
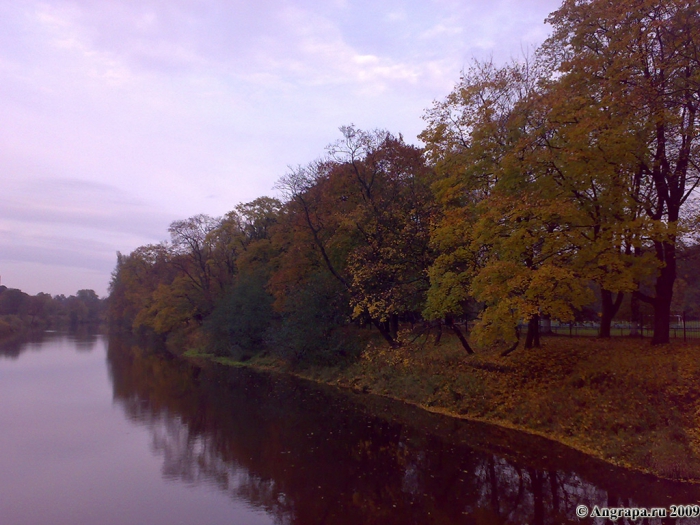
547,186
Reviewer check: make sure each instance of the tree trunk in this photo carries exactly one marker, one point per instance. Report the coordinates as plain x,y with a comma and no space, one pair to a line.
533,332
555,490
385,333
636,315
666,253
510,349
465,344
609,310
438,336
394,325
537,481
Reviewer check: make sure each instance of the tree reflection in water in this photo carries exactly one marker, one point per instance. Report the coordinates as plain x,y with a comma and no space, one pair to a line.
310,454
83,339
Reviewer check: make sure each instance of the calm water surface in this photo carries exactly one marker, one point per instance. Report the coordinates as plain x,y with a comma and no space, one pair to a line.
106,432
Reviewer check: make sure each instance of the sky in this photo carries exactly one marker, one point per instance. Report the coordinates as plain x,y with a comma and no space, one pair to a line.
121,116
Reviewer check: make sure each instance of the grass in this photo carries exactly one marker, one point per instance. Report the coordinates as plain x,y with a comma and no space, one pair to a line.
621,400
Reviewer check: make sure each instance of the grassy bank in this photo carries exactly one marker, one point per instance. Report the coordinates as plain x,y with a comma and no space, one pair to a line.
620,400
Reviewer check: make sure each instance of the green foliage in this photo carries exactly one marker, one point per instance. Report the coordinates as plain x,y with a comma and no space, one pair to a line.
240,320
312,321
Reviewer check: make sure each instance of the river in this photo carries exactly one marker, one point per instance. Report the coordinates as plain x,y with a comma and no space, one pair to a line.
94,431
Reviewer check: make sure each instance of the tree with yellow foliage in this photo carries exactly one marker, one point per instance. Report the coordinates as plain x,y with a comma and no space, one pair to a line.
639,61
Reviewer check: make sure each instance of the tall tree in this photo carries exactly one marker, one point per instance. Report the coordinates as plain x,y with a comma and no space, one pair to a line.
193,247
387,182
502,233
642,58
583,147
366,210
134,280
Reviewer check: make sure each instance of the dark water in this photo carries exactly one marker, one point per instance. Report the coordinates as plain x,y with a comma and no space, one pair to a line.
98,432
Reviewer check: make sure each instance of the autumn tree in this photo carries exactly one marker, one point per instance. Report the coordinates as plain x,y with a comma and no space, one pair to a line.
134,279
505,236
583,150
256,221
366,211
640,58
193,246
465,138
13,301
606,128
387,182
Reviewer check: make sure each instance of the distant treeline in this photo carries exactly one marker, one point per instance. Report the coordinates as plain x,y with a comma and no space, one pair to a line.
559,187
20,311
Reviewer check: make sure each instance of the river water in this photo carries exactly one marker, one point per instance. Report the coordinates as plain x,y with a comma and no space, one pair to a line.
94,431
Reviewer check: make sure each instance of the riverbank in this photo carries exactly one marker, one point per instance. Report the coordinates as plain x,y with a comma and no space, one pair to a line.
620,400
11,326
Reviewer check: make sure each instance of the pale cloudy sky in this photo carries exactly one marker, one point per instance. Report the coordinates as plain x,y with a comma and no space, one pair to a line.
120,116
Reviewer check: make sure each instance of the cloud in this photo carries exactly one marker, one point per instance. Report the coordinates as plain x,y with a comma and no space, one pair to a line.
292,43
73,224
56,250
444,29
74,202
119,117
